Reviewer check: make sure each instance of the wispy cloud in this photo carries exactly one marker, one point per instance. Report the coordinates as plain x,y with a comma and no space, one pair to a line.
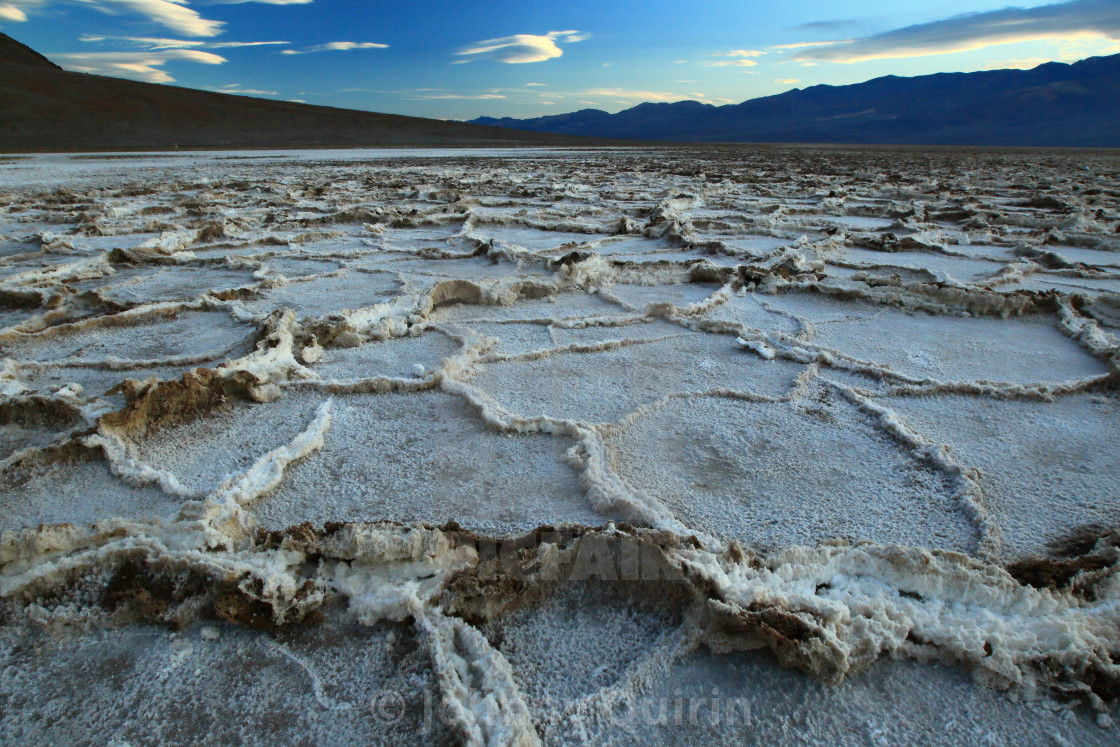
786,81
1068,50
629,96
741,58
521,48
738,53
825,25
596,97
465,97
176,15
1077,19
804,45
339,46
1025,64
145,66
148,42
236,88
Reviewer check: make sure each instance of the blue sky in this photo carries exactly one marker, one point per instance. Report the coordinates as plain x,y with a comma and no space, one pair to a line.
459,60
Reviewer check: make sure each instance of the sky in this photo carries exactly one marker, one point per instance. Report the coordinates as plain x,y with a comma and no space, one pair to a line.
460,60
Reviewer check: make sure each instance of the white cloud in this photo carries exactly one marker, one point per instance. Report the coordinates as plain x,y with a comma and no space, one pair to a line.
741,58
738,53
339,46
11,13
804,45
1074,20
1024,64
231,45
786,81
15,11
1067,50
622,93
1071,50
627,96
173,15
148,42
144,66
344,46
574,36
479,97
521,48
536,84
237,89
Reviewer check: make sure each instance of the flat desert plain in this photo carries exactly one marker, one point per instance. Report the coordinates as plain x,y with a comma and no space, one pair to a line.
719,445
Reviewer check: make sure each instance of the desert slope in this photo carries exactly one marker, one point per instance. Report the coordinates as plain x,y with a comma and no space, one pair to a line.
44,108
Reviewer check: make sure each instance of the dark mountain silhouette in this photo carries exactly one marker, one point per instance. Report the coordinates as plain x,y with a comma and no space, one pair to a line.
1052,105
44,108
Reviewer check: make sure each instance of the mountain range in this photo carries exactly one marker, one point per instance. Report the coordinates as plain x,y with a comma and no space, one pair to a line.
1054,104
45,108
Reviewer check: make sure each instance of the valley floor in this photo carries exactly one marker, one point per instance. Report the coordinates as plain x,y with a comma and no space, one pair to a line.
571,446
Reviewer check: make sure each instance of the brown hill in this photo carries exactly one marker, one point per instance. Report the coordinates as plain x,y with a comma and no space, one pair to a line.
13,51
44,108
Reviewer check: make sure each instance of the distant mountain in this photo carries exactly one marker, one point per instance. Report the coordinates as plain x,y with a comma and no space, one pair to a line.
44,108
1052,105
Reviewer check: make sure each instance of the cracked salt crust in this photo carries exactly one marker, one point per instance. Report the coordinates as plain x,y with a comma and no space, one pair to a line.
853,463
156,337
601,386
378,466
1044,468
78,489
324,295
397,357
797,473
171,284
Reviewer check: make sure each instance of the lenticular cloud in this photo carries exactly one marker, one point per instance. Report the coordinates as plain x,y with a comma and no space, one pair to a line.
521,48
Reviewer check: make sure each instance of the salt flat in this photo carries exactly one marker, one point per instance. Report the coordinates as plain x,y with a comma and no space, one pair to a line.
560,446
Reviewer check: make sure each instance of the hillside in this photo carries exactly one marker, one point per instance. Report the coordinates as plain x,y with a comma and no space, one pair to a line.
44,108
